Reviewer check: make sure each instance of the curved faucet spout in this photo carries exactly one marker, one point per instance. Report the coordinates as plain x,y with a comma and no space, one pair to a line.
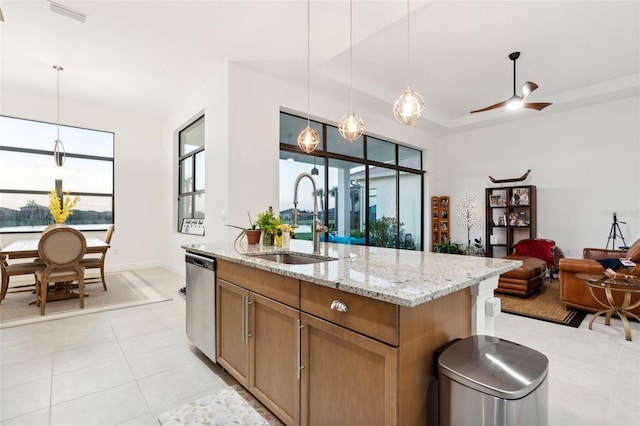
318,227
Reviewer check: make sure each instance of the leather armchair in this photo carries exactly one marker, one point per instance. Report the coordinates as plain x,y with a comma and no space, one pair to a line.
574,292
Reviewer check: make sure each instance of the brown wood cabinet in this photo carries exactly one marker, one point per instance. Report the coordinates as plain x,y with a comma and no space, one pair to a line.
440,223
275,343
347,378
258,339
316,355
232,340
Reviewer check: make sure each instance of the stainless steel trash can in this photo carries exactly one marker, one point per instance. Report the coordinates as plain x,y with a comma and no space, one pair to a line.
485,380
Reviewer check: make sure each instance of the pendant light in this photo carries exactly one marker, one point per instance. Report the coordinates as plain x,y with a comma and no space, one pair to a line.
57,170
410,105
351,126
308,139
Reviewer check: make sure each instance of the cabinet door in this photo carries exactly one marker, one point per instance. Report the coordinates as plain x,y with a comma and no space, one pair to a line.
275,346
347,378
232,314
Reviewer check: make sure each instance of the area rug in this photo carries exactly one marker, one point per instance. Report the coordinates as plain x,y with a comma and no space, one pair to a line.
545,305
124,290
230,406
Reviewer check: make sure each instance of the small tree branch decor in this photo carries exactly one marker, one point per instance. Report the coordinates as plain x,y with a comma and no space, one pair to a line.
61,213
468,214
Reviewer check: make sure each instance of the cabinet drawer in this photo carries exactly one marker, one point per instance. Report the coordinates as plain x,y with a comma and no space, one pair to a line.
277,287
370,317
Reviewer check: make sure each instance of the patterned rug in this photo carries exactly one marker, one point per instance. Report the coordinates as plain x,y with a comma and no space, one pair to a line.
230,406
124,290
545,305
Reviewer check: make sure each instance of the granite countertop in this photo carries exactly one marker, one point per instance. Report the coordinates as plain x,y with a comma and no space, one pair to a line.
403,277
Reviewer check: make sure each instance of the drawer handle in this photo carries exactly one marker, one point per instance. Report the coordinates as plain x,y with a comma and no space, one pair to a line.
339,306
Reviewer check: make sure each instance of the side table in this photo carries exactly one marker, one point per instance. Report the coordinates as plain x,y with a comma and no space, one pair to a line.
610,286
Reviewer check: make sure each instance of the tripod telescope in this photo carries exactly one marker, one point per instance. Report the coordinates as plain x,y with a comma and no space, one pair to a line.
615,232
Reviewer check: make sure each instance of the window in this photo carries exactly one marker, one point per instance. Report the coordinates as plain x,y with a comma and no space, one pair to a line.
191,172
24,200
369,192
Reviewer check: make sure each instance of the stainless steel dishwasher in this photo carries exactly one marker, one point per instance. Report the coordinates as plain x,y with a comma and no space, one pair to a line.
201,303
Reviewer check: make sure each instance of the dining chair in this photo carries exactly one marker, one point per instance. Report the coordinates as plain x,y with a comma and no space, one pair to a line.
61,250
12,269
98,262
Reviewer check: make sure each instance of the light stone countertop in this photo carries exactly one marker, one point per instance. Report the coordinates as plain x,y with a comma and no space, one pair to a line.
403,277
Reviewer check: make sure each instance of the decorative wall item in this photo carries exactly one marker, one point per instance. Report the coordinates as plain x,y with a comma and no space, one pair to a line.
518,179
468,214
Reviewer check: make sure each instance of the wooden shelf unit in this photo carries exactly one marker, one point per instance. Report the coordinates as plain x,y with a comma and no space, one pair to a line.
440,220
510,217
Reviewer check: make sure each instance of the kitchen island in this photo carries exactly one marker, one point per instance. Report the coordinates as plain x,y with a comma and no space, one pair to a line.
349,340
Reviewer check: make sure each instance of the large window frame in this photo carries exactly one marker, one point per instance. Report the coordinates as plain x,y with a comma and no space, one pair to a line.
24,190
374,156
191,171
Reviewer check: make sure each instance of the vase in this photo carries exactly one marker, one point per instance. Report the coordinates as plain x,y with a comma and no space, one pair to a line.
278,241
253,236
267,239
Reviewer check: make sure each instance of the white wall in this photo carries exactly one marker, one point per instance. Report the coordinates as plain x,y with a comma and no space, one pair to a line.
242,155
584,163
136,242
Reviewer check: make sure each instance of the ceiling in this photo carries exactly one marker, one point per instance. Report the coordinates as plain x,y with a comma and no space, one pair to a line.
145,56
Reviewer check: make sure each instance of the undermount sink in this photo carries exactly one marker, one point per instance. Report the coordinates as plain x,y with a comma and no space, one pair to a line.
292,258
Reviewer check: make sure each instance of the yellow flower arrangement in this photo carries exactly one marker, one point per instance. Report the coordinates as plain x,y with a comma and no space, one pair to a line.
60,214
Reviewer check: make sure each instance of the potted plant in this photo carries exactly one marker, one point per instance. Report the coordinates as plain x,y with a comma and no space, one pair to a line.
268,223
448,246
252,232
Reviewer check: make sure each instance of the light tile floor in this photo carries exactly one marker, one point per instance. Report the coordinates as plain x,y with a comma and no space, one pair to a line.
124,367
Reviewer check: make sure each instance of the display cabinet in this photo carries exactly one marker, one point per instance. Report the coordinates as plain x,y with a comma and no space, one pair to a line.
440,223
510,217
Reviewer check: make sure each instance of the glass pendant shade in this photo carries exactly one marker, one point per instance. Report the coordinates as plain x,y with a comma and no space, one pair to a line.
56,172
409,107
351,126
308,140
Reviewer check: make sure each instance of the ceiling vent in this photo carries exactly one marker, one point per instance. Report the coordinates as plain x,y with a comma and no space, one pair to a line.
69,13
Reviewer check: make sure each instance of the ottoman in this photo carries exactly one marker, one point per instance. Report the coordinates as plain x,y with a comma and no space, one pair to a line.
525,280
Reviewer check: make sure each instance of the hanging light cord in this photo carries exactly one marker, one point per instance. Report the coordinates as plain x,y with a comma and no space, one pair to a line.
58,156
351,51
408,49
58,95
308,62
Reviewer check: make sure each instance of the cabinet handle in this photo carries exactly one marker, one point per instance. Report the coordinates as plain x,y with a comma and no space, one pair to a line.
339,306
300,367
245,319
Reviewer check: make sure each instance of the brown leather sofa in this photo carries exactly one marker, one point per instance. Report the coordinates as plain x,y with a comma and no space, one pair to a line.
574,292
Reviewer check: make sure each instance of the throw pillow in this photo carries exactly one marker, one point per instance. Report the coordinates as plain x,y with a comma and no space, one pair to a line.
633,253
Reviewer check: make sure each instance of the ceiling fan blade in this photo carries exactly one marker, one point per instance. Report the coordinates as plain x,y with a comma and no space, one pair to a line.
498,105
536,105
527,88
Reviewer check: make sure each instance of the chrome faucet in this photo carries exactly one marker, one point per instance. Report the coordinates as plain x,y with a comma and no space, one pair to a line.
318,226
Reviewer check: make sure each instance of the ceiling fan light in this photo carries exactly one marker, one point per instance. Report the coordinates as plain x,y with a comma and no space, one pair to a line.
409,107
515,102
308,140
351,126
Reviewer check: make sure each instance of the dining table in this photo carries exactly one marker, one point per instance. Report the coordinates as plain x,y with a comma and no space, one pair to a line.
28,248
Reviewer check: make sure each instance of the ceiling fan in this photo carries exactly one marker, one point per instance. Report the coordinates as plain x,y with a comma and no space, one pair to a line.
516,101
